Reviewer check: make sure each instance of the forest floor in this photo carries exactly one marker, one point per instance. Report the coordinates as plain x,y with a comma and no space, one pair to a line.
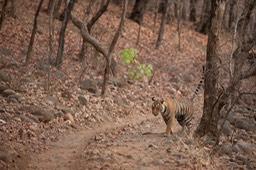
68,127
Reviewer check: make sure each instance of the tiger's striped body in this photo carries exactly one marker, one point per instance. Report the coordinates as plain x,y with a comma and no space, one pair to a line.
171,108
181,109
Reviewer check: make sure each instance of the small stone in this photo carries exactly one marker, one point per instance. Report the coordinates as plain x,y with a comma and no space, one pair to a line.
226,149
44,115
251,165
242,124
98,137
8,92
241,160
226,129
89,85
157,162
102,159
6,157
2,88
26,119
178,154
2,121
4,76
82,100
68,116
15,96
244,147
152,146
63,108
188,141
182,161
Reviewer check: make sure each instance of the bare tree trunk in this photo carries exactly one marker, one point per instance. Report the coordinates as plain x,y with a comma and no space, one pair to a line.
138,17
51,30
208,123
138,10
49,6
86,15
179,23
161,30
56,12
176,9
138,36
183,9
111,48
203,25
32,38
101,11
156,11
100,47
232,13
14,7
67,12
2,14
192,14
243,47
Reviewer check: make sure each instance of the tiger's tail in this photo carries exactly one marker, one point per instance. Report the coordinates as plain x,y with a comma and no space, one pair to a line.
200,85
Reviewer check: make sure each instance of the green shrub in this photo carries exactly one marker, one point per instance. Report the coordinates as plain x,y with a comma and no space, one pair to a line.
129,57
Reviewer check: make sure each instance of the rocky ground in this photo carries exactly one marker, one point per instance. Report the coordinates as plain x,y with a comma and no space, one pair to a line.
69,126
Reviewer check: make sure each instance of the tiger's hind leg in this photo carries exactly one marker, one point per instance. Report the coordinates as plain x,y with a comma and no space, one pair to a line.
185,123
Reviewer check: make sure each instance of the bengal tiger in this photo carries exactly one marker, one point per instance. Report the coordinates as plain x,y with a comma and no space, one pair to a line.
181,109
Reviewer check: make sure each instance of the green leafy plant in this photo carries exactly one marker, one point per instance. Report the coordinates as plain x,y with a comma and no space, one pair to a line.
129,57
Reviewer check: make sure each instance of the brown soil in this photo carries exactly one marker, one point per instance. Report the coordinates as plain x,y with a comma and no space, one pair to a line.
115,132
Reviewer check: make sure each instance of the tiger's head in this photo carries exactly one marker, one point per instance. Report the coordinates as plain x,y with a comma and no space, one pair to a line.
157,106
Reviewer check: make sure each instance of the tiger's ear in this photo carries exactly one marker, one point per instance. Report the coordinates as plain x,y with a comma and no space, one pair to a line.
162,100
154,99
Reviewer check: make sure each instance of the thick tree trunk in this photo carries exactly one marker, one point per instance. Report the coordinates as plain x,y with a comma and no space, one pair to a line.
67,12
139,10
184,12
203,25
32,38
192,14
2,14
208,123
161,30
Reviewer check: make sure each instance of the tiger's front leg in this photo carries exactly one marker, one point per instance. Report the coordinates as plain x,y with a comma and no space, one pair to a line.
169,130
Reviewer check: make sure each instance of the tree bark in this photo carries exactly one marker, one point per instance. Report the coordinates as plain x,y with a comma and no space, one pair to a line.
90,24
138,11
32,38
111,49
192,14
100,47
14,7
2,14
203,25
184,12
67,12
179,24
51,31
232,13
208,123
161,30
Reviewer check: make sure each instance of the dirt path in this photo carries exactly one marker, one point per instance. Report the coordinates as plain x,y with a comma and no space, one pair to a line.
136,143
64,153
